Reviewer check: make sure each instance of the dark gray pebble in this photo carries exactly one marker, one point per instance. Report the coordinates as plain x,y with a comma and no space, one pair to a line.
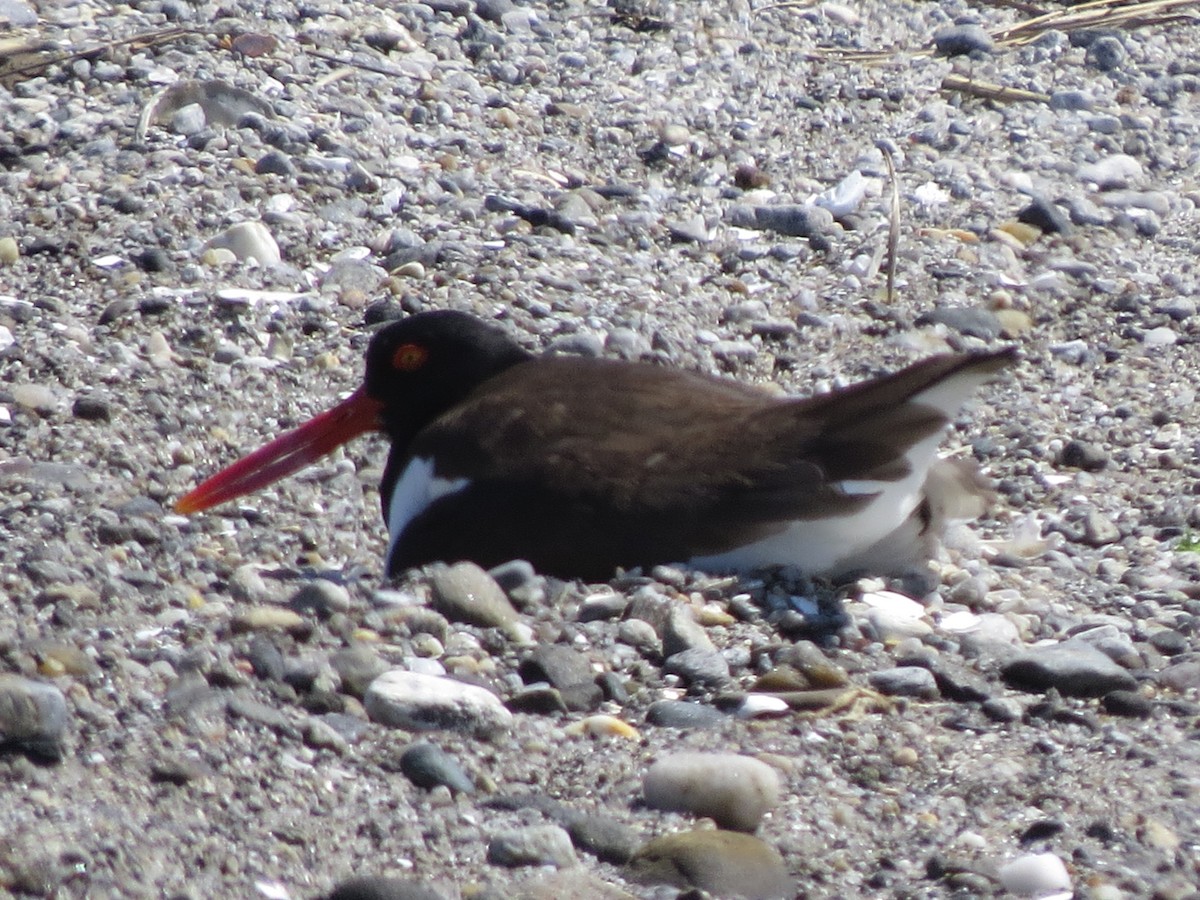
265,658
980,323
539,699
584,696
1042,830
427,766
794,220
612,687
683,714
321,598
178,770
1128,703
378,887
274,163
1075,669
958,683
154,259
1046,215
94,409
1168,642
1082,455
493,10
1106,54
959,40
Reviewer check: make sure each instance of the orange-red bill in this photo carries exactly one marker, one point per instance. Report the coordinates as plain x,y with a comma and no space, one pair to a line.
355,415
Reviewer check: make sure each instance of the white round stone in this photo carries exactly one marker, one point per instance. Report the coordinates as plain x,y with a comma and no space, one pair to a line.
418,702
735,791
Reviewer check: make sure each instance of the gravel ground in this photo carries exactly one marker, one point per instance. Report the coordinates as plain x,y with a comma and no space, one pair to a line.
188,707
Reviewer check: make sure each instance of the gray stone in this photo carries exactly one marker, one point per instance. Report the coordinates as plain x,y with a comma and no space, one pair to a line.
682,632
33,716
683,714
537,845
960,40
724,863
427,766
905,681
1073,668
734,791
464,592
699,668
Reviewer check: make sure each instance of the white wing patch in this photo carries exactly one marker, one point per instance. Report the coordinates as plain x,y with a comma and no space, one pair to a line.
416,489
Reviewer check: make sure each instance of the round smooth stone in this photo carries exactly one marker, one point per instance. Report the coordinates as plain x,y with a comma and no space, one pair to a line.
734,791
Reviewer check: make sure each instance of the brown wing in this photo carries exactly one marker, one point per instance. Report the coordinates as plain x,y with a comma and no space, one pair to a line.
646,440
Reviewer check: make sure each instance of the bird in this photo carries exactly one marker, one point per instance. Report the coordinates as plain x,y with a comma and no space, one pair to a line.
586,467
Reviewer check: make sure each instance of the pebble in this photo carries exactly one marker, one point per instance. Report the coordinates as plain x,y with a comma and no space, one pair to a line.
1040,875
683,714
560,665
1099,530
892,616
248,241
603,726
567,884
36,397
792,220
604,606
980,323
178,769
92,408
1131,704
1106,54
427,766
960,40
401,699
464,592
536,845
1117,171
9,251
265,658
640,634
320,735
734,791
380,887
699,668
33,716
1083,455
357,667
905,681
723,863
321,598
1046,215
1073,668
260,618
682,632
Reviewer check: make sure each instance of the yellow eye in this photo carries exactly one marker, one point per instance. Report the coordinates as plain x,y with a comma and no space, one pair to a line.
409,357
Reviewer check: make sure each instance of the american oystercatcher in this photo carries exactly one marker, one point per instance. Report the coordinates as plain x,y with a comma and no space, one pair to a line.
581,466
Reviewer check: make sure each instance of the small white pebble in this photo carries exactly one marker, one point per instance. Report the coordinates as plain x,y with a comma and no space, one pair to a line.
1041,875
